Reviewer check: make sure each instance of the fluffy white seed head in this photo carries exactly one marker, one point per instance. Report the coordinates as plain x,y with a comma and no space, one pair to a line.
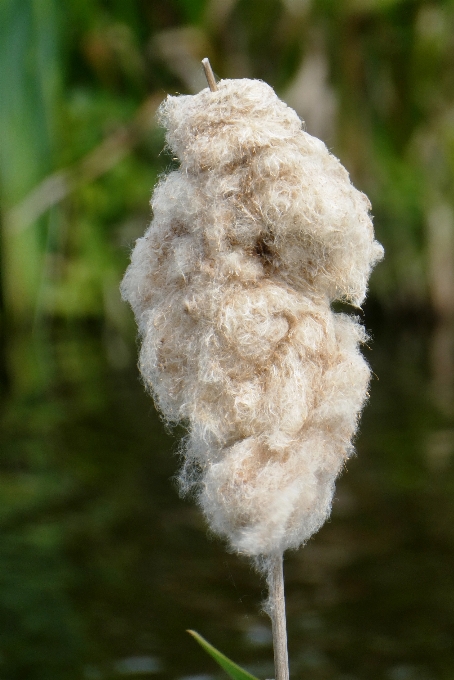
252,238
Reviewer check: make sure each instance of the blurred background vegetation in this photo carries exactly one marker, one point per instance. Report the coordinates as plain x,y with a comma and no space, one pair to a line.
101,566
80,150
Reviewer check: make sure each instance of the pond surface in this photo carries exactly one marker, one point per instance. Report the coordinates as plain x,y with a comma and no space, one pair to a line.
103,567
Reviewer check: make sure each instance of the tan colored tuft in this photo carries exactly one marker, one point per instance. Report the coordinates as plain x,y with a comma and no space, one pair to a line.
252,239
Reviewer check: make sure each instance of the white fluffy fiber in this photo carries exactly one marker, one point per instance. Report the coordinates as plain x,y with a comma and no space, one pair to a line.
252,239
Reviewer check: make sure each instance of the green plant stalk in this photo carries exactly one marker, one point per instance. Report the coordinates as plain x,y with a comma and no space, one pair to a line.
232,669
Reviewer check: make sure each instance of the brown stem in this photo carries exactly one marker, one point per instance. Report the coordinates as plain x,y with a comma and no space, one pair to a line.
276,604
209,74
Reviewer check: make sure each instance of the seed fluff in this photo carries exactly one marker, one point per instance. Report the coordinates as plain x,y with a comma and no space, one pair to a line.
253,238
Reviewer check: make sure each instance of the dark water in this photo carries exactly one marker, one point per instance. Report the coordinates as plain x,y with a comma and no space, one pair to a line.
103,567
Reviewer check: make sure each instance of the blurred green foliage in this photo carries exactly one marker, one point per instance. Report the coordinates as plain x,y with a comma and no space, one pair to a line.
374,78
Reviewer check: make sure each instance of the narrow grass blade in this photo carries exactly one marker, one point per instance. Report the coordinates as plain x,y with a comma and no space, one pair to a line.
232,669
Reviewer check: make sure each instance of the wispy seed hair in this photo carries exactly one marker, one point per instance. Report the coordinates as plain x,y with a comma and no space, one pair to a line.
252,239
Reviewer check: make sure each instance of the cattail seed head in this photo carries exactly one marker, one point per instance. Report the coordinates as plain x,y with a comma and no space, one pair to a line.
252,239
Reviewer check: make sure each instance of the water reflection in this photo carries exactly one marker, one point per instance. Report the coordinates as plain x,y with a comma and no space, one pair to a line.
103,567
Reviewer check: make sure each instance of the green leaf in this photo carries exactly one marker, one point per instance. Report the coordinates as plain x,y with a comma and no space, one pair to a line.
232,669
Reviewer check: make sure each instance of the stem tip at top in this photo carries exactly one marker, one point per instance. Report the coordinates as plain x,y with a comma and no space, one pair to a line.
209,74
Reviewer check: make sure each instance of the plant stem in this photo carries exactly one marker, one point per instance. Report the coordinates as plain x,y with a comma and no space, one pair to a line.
277,613
209,74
